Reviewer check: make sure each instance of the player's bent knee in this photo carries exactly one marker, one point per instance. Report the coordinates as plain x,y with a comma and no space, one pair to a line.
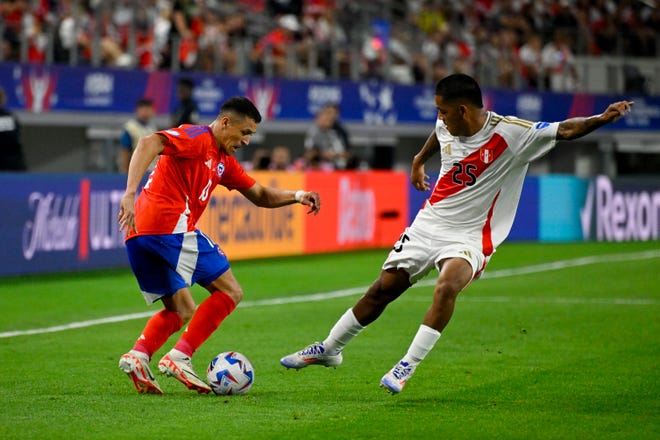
186,314
448,290
235,294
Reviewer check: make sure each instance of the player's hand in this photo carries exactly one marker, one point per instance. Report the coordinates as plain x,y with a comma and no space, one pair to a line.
419,178
313,200
617,110
126,217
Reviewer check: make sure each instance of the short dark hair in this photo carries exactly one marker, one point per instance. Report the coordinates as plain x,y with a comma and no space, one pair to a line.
459,87
241,106
144,102
186,82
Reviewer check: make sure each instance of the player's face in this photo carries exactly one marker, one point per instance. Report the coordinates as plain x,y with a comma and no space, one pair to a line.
453,115
236,133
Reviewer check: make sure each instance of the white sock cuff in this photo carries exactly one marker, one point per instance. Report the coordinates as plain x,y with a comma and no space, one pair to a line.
429,330
354,322
422,343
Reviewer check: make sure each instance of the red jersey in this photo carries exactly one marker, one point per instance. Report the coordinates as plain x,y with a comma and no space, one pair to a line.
180,186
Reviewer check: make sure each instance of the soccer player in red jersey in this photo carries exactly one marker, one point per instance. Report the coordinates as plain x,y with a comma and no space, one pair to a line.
168,253
470,211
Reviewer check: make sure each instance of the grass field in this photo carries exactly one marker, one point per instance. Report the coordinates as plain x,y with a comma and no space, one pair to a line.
567,353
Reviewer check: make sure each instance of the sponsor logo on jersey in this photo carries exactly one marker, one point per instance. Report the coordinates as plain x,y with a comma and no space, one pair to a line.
486,155
540,125
172,132
221,169
446,149
209,163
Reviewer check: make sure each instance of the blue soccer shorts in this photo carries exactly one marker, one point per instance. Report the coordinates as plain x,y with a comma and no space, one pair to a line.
164,264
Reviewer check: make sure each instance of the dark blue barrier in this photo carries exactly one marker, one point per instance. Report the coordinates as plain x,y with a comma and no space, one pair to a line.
40,88
53,223
526,224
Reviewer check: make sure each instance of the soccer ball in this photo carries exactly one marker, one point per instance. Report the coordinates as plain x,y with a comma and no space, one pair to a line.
230,373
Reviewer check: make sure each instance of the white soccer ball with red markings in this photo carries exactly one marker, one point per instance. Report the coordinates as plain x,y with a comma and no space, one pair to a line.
230,373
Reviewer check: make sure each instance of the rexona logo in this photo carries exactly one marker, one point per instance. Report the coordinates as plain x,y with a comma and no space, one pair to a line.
620,215
357,212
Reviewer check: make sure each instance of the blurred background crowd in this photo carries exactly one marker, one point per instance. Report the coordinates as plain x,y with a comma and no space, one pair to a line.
510,43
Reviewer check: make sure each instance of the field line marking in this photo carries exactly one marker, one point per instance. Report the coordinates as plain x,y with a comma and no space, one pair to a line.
546,300
543,267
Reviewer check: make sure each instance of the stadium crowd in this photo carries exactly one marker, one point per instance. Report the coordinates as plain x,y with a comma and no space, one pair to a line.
519,43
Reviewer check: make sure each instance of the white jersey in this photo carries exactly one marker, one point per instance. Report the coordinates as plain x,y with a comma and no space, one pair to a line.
475,198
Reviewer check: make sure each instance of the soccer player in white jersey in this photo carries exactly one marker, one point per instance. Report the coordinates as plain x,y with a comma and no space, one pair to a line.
470,211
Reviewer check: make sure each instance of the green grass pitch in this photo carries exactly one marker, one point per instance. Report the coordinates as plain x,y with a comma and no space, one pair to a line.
570,353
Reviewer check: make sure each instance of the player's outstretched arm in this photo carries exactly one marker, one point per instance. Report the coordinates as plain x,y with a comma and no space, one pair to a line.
577,127
418,176
267,197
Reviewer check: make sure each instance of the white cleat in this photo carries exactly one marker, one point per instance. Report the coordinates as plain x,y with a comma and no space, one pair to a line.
313,354
138,370
396,378
180,368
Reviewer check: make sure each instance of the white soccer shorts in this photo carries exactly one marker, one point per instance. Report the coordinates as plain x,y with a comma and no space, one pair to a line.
418,253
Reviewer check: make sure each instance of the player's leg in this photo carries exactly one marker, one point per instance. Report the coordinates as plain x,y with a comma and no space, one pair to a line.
455,275
178,309
209,267
389,286
157,281
225,294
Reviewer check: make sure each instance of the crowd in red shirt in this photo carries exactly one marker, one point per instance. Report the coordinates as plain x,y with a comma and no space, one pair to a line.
406,41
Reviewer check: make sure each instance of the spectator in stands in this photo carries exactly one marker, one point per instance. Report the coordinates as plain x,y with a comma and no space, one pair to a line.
280,159
530,61
186,111
139,126
431,64
284,7
558,64
76,33
11,147
641,34
184,30
278,43
401,58
337,28
12,13
337,125
260,160
216,53
330,39
606,34
325,146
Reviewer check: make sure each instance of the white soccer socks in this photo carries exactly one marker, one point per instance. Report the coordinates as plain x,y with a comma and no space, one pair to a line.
344,330
422,343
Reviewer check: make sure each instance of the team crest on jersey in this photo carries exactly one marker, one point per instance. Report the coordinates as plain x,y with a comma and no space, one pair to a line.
221,169
486,155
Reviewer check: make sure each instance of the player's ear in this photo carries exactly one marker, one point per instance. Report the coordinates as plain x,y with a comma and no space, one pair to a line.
462,110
